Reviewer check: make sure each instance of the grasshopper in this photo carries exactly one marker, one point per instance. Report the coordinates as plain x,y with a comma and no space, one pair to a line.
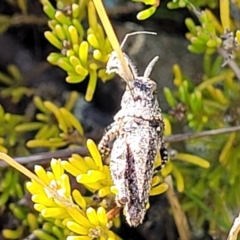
134,139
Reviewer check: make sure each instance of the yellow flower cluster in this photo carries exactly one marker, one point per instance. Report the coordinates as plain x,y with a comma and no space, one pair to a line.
96,177
55,199
90,171
79,55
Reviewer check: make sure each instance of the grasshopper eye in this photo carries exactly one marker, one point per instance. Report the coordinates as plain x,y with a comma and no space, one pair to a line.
153,86
137,84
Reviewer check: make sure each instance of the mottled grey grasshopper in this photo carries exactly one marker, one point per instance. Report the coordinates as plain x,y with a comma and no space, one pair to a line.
136,136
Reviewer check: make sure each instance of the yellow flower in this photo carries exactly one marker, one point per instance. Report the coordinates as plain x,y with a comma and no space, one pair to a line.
90,171
55,200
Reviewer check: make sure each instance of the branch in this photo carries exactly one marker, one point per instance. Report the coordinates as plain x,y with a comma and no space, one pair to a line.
18,20
45,157
188,136
178,214
233,234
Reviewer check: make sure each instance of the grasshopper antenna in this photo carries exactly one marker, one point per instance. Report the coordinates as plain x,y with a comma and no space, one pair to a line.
113,64
132,67
150,67
135,33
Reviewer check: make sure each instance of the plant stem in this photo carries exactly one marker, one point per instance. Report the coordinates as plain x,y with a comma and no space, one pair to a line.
18,20
178,214
188,136
112,37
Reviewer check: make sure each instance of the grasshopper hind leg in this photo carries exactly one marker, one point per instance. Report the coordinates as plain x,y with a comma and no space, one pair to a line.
164,156
159,125
109,135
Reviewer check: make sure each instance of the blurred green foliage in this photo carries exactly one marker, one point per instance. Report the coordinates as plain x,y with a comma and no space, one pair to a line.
196,3
14,85
10,141
211,195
